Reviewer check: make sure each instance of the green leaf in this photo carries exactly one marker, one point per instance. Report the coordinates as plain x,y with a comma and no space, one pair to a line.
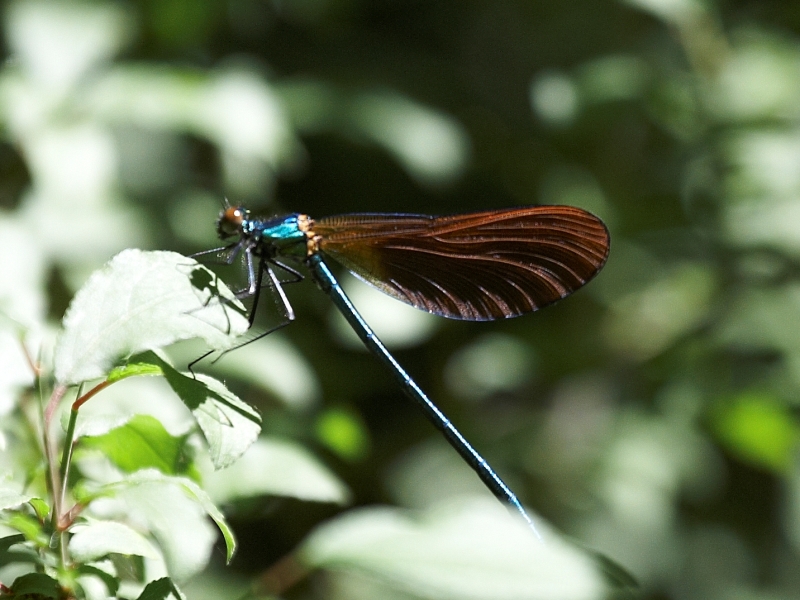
136,395
111,582
10,497
211,510
36,584
95,540
24,553
218,518
760,429
160,589
41,508
174,508
133,370
344,433
28,526
9,540
471,550
140,301
141,443
229,425
279,468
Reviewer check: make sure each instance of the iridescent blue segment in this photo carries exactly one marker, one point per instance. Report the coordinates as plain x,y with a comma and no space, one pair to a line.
281,228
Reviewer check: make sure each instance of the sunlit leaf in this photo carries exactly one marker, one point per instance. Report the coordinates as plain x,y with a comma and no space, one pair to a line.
140,443
97,539
175,509
28,526
41,508
116,404
133,370
467,551
141,301
228,424
277,468
10,496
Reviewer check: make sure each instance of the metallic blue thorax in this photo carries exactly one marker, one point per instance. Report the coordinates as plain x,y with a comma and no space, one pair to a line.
277,236
274,230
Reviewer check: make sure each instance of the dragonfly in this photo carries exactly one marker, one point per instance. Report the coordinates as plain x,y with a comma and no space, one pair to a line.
480,266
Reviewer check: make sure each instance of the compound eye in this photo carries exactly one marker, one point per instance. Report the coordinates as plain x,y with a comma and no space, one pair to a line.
230,221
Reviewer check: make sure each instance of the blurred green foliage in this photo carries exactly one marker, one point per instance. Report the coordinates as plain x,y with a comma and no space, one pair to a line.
652,417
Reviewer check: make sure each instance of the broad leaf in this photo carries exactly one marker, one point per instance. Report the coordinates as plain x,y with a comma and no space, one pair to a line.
161,589
88,572
36,585
175,510
466,551
13,549
140,301
41,508
10,497
28,526
140,443
228,424
115,406
277,468
97,539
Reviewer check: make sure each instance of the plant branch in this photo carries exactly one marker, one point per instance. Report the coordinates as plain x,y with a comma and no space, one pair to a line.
92,392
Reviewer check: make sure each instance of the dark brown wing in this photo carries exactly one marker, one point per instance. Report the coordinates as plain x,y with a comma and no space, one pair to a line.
480,266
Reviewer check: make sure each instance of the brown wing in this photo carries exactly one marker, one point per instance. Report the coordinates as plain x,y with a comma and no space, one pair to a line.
478,267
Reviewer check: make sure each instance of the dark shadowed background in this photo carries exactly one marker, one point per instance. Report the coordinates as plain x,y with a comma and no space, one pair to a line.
652,417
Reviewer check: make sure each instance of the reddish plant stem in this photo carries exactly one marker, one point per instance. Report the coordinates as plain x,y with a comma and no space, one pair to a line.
95,390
